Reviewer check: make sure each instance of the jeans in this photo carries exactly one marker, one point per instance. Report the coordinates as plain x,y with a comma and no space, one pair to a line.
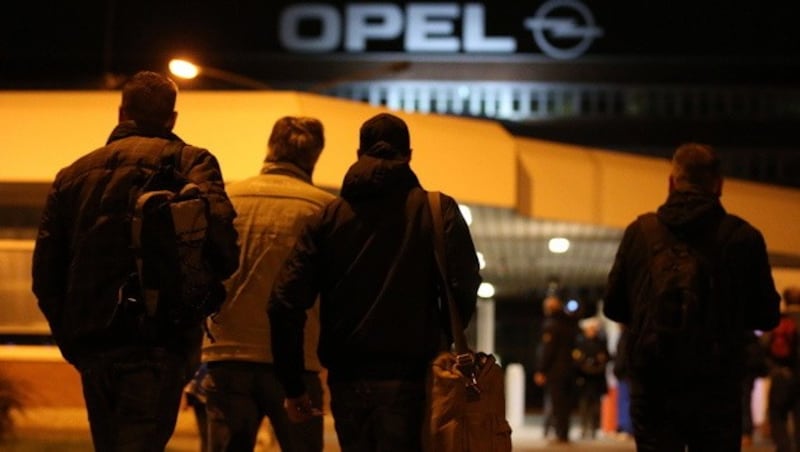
240,394
378,415
704,418
132,398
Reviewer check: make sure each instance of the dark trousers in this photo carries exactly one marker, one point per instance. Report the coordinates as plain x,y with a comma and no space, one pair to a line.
784,399
700,418
589,412
238,397
747,405
132,398
378,416
561,392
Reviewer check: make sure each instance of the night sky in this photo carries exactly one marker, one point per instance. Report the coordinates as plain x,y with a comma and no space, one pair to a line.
59,43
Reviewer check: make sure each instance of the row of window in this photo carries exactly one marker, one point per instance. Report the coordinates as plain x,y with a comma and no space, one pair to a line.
519,101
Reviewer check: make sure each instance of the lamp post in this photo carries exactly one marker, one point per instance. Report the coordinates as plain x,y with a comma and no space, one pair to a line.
188,70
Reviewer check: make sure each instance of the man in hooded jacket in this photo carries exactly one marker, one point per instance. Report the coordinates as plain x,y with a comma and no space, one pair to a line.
703,413
369,256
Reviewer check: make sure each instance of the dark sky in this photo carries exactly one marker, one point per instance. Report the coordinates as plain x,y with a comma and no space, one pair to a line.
61,41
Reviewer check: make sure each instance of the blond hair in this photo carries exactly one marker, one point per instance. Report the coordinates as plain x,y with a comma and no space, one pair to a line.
298,140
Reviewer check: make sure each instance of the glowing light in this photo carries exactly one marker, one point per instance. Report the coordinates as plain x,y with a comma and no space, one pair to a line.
572,305
183,69
486,290
481,260
558,245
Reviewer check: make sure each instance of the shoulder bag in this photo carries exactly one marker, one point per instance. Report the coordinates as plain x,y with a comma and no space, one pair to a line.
465,405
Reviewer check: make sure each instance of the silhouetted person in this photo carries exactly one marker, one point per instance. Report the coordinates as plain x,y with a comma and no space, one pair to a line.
369,256
556,369
591,356
671,409
132,385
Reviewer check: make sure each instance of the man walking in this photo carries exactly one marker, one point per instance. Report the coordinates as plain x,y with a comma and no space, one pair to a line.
132,385
555,368
685,348
272,210
370,257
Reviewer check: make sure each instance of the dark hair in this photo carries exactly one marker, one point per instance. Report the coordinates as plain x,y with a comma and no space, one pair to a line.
297,140
149,99
384,136
696,166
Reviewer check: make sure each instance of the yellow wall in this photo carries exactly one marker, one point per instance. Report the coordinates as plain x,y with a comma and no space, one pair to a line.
476,161
45,131
594,186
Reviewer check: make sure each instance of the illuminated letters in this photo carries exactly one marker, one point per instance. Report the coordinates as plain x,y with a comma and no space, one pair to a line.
387,23
330,23
430,27
475,39
562,29
424,27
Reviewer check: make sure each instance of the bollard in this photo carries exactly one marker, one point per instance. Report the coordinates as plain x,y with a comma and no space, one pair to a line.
515,395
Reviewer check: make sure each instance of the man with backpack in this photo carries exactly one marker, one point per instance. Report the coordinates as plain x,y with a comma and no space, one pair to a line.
687,282
133,337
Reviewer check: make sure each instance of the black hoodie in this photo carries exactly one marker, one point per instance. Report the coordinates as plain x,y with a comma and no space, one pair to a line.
750,295
369,256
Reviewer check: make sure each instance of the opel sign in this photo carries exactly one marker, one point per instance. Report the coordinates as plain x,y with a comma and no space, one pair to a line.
562,29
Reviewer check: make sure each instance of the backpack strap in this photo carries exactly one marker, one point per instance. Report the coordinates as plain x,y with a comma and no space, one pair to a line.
171,154
728,225
169,157
655,233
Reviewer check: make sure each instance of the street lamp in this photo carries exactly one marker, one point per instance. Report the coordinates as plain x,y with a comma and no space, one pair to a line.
188,70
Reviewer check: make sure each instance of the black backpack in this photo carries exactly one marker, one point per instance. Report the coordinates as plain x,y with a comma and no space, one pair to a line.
173,285
679,329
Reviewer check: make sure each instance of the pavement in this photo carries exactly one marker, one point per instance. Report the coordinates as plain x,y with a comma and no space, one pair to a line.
66,430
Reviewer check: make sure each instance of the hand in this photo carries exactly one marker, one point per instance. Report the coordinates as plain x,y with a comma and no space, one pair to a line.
184,402
300,409
539,379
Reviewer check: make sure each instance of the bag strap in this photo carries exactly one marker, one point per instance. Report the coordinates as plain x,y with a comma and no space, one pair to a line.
465,359
456,325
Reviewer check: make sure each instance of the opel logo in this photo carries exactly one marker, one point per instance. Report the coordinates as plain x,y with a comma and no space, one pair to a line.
575,31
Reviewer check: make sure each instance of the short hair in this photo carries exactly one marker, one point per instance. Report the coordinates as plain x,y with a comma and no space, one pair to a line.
696,166
384,136
149,99
298,140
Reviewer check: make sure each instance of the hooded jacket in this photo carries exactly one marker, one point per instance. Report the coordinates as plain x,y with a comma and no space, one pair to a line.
370,257
83,254
747,291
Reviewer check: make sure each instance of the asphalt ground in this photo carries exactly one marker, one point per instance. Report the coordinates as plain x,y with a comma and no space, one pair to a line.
66,430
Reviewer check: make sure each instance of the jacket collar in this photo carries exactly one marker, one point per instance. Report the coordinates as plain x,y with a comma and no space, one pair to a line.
285,169
127,129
